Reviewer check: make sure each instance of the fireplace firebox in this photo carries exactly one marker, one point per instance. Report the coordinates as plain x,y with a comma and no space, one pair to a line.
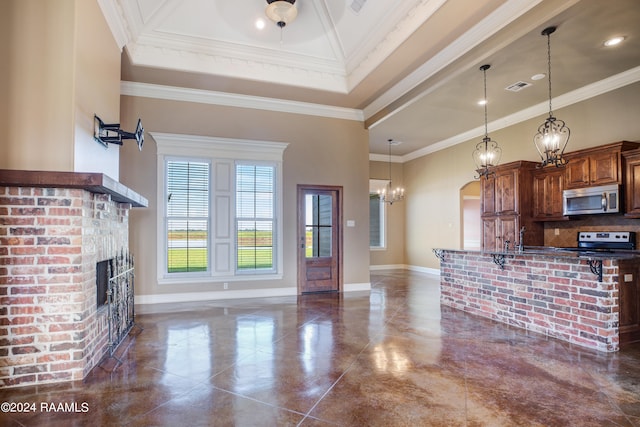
103,274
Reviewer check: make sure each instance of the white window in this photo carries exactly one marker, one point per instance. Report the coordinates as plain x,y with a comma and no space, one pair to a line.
187,220
222,204
376,215
255,220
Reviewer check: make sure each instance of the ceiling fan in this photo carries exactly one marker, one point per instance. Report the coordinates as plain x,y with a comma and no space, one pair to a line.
282,12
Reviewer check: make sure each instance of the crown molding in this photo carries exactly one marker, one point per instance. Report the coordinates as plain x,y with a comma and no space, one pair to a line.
236,61
197,145
114,16
171,93
385,158
582,94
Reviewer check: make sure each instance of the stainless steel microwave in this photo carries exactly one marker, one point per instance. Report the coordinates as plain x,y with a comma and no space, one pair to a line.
591,200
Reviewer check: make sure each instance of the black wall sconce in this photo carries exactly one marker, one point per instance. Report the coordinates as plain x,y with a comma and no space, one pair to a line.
112,134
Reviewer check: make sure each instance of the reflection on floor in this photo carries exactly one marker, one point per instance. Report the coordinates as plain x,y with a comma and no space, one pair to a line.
393,357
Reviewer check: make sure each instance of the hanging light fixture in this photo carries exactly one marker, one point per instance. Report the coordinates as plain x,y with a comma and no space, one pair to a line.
282,12
487,153
389,194
553,135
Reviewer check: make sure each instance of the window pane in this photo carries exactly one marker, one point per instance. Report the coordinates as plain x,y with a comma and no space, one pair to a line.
255,217
187,216
376,210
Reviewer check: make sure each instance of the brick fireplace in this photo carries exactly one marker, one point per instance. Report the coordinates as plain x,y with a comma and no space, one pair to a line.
54,229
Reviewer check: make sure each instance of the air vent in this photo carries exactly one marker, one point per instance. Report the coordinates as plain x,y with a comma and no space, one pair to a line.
517,86
356,5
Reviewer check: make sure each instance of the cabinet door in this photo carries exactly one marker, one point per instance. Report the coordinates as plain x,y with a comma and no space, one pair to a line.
506,191
577,172
547,194
507,227
603,168
497,230
488,192
489,240
633,188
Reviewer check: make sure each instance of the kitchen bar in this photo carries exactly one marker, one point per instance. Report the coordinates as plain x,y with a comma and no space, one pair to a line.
563,294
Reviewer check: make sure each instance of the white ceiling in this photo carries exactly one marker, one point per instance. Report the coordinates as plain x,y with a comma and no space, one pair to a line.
409,68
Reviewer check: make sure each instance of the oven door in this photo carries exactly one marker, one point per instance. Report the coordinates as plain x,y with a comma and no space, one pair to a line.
592,200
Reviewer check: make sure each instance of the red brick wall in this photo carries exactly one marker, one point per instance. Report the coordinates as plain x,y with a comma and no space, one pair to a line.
553,295
50,242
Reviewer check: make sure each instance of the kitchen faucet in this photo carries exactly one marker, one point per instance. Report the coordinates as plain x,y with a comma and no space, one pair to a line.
521,242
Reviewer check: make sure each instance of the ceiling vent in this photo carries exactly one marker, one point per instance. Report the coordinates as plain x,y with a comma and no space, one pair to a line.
356,5
517,86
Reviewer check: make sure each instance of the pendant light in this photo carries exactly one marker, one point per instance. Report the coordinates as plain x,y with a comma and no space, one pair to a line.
553,135
389,194
487,153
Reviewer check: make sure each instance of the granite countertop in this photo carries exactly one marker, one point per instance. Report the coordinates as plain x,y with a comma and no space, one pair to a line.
550,251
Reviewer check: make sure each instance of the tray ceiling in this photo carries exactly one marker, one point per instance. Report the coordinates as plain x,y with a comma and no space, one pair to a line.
409,67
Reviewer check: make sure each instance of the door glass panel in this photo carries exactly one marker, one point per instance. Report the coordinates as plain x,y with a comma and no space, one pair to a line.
319,227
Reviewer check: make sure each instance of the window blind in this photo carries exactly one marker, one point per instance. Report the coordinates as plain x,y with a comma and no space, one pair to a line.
187,216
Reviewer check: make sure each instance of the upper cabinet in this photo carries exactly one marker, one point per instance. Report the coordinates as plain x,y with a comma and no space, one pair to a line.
506,207
500,190
548,184
596,166
632,183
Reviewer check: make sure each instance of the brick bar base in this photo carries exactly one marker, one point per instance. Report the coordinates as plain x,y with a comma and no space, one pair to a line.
553,295
50,242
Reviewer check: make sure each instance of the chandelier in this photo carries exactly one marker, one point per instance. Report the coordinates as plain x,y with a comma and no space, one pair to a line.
487,153
553,135
389,194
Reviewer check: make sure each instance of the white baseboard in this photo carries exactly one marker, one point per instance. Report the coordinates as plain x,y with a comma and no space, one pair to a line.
233,294
354,287
387,267
426,270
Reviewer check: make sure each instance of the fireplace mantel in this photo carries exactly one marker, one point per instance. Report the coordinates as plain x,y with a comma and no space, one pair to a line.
93,182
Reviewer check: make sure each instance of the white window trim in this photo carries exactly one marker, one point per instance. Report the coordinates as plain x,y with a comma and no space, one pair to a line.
211,149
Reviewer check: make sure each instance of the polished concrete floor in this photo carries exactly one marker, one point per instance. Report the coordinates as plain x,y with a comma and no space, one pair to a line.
393,357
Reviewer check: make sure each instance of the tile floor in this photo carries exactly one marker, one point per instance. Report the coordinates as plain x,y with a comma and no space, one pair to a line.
393,357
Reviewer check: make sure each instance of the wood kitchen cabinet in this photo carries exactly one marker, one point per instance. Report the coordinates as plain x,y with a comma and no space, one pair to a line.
498,230
548,184
506,207
629,301
632,183
596,166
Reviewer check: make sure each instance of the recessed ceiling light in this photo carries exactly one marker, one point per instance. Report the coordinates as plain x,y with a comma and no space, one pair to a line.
614,41
482,102
538,76
260,23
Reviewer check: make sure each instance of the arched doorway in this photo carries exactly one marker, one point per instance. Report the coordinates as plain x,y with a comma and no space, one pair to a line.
470,236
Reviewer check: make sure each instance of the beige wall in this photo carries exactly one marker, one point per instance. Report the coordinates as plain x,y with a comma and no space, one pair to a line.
60,64
96,90
321,151
393,254
433,182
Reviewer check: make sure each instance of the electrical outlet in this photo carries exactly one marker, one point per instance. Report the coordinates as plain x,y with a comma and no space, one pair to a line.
556,231
226,285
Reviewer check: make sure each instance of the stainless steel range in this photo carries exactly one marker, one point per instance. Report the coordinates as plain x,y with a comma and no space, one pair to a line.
606,241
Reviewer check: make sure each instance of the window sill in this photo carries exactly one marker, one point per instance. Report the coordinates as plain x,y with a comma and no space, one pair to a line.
217,279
